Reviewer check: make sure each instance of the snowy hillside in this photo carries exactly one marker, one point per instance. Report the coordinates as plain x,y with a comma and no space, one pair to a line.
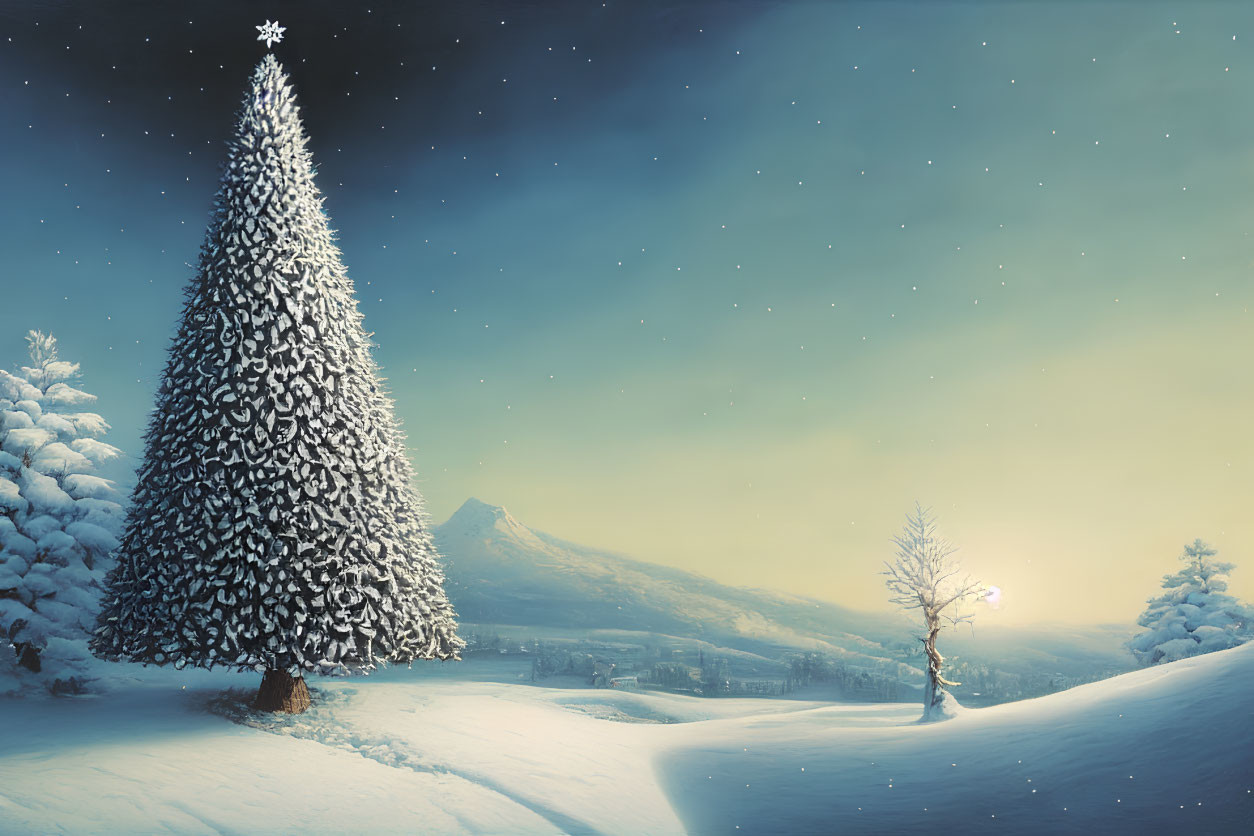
454,749
1162,750
500,571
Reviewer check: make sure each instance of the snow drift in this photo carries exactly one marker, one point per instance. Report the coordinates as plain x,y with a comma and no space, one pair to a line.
445,749
1168,749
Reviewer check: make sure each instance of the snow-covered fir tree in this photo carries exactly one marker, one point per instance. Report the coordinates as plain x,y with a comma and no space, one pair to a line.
1195,615
274,524
58,521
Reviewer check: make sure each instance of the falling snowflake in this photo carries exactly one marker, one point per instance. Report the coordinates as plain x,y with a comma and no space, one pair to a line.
271,32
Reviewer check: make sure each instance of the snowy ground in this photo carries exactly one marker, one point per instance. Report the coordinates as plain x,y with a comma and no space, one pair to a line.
453,749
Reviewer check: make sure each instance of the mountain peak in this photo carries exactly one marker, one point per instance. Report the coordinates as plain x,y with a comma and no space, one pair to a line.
478,508
479,519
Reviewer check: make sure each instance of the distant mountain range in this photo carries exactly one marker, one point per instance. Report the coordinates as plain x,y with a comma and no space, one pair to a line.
502,572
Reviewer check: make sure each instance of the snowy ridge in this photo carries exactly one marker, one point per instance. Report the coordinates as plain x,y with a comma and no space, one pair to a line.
500,571
1166,749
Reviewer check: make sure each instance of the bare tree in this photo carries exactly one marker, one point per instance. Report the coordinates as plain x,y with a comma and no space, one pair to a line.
925,576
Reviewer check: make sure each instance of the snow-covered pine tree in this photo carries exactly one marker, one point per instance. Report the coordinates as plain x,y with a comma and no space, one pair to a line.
1195,615
58,521
274,525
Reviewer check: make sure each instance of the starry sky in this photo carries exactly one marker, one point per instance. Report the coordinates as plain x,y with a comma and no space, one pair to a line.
721,285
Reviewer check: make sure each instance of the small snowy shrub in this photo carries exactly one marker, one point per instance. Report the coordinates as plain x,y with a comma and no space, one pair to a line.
1195,615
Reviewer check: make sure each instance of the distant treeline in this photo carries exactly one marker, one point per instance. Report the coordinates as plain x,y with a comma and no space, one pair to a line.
686,669
865,686
990,685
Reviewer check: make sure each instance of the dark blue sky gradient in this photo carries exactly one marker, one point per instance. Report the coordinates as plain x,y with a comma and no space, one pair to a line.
723,285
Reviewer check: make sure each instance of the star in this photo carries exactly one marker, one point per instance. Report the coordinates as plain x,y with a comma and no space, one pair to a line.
271,32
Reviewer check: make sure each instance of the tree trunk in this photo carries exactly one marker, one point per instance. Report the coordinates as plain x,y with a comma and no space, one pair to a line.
934,690
28,656
282,692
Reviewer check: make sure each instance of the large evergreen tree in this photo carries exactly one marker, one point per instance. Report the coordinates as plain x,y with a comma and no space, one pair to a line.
1195,614
274,524
58,521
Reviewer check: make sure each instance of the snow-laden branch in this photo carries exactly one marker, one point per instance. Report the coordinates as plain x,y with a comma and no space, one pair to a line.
925,575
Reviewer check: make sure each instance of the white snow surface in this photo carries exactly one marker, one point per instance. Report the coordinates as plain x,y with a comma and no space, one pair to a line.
468,748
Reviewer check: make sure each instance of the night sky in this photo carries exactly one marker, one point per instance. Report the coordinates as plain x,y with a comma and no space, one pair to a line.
726,286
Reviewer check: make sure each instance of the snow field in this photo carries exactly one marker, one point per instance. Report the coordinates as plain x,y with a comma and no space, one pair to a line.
1165,749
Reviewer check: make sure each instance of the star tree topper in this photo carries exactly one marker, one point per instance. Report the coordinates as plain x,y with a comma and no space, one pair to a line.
271,32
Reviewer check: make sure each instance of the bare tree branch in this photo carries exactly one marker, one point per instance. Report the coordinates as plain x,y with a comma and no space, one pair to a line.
923,576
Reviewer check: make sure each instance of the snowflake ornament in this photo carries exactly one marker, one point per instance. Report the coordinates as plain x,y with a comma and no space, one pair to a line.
271,32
